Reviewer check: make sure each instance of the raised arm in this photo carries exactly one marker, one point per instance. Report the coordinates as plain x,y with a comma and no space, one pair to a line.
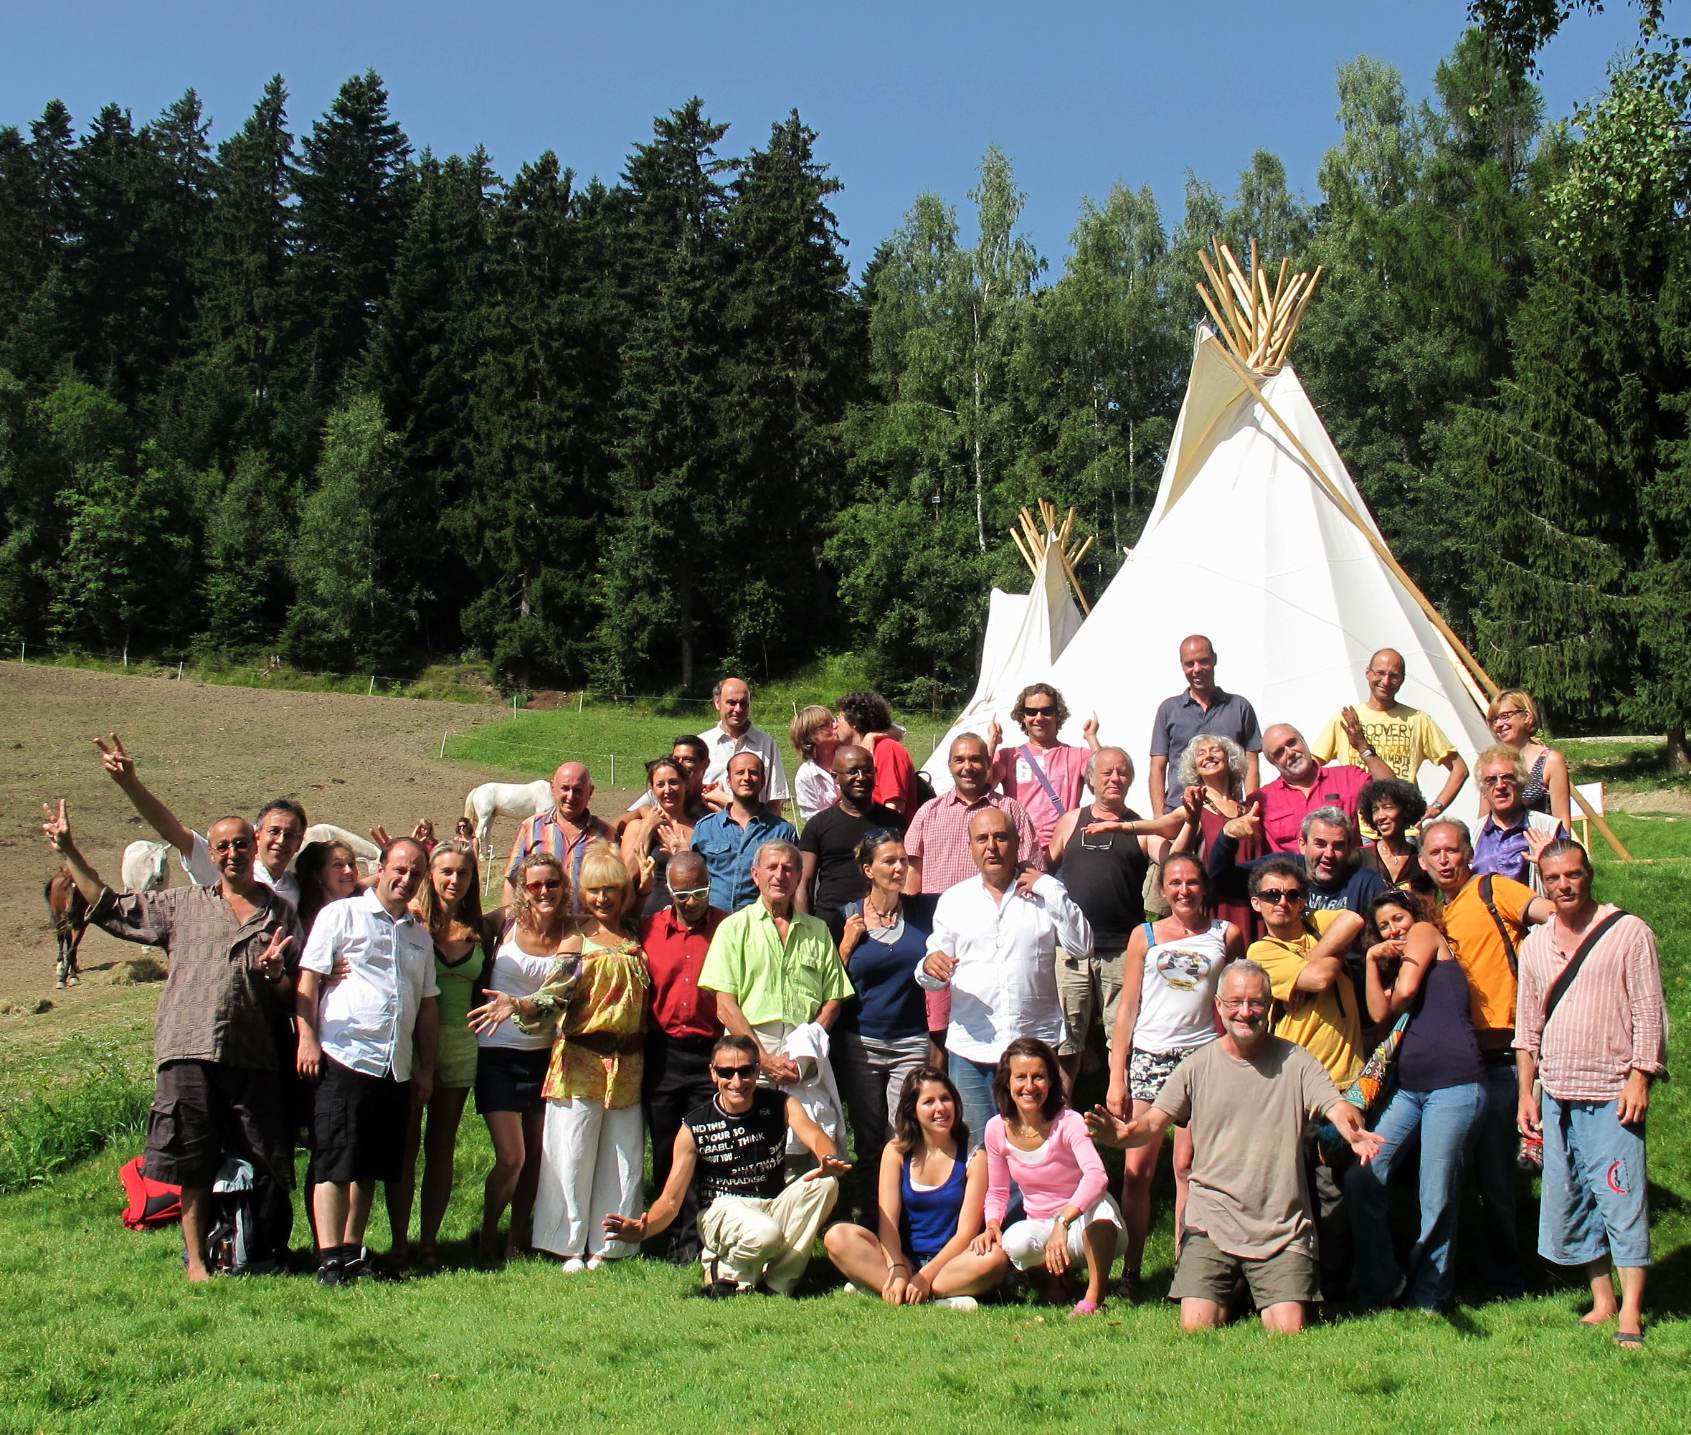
1108,1129
120,767
57,830
1418,953
1324,964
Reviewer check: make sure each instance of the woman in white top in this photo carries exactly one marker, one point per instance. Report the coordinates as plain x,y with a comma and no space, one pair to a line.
511,1064
1167,1012
814,739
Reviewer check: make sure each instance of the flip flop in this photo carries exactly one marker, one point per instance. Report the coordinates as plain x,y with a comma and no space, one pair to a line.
1086,1307
1630,1339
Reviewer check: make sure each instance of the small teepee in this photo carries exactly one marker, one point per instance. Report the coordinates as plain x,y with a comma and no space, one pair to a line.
1025,633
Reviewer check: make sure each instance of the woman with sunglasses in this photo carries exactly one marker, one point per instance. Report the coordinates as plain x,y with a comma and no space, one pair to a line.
882,1035
658,831
1167,1011
932,1200
1046,776
595,1000
511,1063
1433,1111
1513,716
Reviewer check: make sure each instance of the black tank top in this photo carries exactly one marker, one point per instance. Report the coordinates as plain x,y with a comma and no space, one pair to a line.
1105,875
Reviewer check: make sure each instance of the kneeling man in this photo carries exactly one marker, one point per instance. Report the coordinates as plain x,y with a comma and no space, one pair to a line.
751,1227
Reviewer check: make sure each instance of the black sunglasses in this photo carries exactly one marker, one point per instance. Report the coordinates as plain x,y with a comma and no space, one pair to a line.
1274,896
728,1073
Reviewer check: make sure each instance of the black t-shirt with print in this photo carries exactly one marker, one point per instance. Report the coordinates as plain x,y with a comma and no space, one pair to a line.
742,1155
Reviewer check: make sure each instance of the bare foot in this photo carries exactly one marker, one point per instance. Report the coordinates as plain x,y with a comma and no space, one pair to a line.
1599,1315
198,1277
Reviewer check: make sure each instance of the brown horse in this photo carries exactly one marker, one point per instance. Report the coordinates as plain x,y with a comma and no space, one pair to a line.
70,920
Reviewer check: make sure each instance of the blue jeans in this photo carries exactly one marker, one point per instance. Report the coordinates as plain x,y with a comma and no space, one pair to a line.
1441,1123
1593,1203
973,1080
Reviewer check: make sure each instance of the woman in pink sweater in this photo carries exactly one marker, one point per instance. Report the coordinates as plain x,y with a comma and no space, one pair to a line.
1037,1142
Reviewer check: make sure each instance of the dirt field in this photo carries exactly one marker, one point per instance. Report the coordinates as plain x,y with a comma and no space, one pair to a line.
206,751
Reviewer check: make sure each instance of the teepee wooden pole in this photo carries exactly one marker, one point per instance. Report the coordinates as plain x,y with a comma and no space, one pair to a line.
1479,674
1022,548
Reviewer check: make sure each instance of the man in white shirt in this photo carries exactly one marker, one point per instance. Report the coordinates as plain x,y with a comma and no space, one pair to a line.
735,734
370,1041
995,944
278,830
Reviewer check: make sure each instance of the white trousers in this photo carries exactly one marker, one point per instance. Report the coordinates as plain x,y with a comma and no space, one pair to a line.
754,1238
590,1166
1024,1242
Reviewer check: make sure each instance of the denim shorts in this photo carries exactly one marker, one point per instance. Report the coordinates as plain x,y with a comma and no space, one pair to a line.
1593,1204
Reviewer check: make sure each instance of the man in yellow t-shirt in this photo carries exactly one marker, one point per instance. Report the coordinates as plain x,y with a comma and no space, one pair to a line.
1403,737
1312,989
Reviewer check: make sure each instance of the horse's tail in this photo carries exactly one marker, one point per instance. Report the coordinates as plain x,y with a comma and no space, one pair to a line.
470,805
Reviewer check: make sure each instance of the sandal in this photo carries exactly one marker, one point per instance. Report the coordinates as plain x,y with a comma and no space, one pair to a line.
1086,1307
1630,1339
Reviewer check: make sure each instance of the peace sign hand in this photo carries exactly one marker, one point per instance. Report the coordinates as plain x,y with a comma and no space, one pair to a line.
57,828
119,765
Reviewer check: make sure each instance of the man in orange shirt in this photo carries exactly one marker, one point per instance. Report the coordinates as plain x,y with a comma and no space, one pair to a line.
1486,919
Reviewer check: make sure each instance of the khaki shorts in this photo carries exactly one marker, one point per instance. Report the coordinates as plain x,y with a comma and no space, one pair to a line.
1206,1272
1086,986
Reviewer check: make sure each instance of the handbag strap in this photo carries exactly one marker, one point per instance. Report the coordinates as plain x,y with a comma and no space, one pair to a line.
1502,926
1565,978
1039,772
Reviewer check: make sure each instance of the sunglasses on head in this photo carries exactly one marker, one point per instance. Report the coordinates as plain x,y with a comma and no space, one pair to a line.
731,1073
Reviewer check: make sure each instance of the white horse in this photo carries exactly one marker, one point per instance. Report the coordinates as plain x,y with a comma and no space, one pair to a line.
143,866
508,799
363,848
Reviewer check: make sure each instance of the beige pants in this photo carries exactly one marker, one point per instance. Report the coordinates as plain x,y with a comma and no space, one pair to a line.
753,1238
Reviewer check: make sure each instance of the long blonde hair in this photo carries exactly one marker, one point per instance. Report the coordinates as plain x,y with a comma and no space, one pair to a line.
429,906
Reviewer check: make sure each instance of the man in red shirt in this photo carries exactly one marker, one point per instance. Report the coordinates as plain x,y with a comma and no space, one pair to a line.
682,1028
1304,785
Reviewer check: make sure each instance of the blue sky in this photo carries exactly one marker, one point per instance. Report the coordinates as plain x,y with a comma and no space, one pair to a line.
904,97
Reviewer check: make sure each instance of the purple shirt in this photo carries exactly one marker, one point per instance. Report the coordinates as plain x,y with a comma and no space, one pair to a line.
1503,850
1284,808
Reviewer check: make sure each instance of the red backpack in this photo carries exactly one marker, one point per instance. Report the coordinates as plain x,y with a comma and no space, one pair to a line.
148,1204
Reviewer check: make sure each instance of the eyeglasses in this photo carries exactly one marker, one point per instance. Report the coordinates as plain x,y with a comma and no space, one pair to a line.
234,844
551,885
1502,779
1274,896
1508,713
1242,1003
682,894
735,1073
1038,712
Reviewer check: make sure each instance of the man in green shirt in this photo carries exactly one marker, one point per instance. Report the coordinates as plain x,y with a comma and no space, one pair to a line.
773,968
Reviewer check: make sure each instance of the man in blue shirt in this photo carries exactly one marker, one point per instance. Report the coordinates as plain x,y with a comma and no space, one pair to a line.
728,840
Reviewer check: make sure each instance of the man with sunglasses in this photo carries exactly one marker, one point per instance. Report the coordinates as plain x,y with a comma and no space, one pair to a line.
1304,956
733,1149
1249,1097
1512,836
1044,775
681,1028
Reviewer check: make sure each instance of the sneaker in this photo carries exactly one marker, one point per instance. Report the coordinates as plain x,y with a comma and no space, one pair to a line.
594,1262
1530,1155
355,1267
849,1288
722,1290
574,1266
956,1302
331,1273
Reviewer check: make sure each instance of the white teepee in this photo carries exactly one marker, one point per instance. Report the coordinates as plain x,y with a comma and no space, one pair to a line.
1250,546
1025,635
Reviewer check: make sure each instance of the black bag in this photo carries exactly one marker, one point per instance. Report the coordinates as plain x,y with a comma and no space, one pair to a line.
246,1234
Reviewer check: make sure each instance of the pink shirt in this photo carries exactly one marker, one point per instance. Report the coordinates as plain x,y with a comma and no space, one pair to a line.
1065,770
938,838
1284,808
1065,1171
1612,1021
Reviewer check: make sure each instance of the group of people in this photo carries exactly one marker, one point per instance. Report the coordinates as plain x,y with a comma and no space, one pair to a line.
1318,981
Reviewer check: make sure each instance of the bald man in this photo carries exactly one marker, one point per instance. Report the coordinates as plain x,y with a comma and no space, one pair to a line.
566,831
1204,707
1404,737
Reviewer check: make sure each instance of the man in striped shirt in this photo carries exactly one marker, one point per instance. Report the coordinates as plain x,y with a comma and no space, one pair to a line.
1595,1036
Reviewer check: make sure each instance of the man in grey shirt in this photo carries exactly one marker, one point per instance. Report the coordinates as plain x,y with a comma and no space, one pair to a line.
1202,707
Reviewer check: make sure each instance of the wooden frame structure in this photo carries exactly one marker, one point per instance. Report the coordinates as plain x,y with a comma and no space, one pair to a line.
1033,539
1256,328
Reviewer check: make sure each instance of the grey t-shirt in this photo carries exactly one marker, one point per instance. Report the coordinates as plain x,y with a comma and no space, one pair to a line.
1249,1193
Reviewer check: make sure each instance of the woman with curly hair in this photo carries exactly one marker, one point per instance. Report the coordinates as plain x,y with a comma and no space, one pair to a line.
866,719
1394,808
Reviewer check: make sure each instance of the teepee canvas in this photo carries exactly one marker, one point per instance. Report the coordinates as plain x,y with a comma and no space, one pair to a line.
1024,636
1250,543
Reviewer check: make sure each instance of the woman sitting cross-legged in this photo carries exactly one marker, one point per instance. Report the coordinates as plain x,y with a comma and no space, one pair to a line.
1431,1116
1038,1142
932,1200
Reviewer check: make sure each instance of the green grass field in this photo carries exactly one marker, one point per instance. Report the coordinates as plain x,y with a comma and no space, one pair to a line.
104,1334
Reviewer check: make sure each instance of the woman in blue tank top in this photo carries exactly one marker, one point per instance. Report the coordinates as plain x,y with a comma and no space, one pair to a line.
932,1200
1433,1111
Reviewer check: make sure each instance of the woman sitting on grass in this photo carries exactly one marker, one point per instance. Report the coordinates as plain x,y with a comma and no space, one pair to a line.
596,1000
932,1197
510,1063
449,904
1043,1146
